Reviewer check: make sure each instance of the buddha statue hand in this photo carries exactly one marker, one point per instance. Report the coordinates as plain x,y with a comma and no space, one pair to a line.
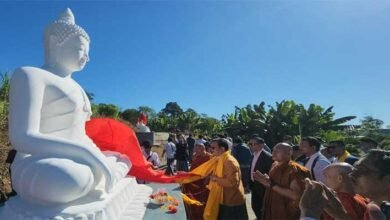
113,165
101,168
119,164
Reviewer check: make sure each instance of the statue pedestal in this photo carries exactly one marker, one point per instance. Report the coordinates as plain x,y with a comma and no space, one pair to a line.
127,201
155,138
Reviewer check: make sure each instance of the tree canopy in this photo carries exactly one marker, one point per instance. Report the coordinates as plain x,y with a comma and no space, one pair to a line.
172,109
271,122
285,118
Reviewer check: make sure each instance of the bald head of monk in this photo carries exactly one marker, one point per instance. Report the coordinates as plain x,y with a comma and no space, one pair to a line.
282,152
337,177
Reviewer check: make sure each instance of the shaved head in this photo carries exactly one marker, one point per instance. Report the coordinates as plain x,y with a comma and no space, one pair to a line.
284,146
337,177
199,148
282,152
341,168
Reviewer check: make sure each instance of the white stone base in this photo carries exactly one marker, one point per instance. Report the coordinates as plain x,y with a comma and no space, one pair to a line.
127,201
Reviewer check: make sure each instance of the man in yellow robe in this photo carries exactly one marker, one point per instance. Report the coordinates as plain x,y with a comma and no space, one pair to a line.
284,184
232,204
226,199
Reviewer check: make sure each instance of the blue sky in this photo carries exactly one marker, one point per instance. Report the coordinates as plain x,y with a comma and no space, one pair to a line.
214,55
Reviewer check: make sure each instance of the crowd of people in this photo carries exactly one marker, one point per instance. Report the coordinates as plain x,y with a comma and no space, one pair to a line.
310,180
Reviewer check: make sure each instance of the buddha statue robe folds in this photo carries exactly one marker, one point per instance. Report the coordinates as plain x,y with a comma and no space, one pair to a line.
58,172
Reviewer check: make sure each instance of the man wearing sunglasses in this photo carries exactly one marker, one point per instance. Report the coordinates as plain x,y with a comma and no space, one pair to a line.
337,149
227,175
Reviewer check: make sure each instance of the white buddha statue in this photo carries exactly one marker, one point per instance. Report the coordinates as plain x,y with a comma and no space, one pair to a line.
56,162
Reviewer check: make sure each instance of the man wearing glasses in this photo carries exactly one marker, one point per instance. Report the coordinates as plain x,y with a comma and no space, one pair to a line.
337,149
262,162
228,176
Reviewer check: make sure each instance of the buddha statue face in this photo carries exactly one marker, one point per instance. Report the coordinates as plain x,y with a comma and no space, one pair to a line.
72,55
66,44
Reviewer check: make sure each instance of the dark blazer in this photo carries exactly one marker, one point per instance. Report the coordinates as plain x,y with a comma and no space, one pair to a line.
263,164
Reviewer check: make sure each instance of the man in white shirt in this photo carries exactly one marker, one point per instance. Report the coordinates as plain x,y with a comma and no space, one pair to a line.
170,150
150,156
315,161
261,161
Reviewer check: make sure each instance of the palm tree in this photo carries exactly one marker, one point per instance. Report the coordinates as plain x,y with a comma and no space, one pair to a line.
285,118
208,125
246,121
188,120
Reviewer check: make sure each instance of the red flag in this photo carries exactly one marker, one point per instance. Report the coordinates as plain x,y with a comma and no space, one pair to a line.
111,135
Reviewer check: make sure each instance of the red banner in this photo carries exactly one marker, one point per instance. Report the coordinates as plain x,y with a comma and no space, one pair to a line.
111,135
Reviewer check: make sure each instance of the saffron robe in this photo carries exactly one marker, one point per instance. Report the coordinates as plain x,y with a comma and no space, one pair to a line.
354,204
277,206
217,195
196,190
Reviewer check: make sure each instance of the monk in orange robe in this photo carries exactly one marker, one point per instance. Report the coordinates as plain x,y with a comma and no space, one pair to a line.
285,185
197,190
336,177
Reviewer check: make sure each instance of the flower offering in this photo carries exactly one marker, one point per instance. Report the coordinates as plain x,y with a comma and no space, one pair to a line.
161,197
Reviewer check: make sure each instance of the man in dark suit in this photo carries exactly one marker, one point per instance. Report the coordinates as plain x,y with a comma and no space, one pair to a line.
261,161
243,155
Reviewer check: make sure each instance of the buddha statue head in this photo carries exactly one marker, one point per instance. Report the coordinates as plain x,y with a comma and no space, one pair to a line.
66,45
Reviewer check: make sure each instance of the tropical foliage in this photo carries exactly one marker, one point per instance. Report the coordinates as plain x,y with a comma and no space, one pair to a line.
269,121
285,118
172,118
371,127
4,101
188,121
272,122
105,110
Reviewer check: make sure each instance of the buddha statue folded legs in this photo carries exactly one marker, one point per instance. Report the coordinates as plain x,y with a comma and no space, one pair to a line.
35,178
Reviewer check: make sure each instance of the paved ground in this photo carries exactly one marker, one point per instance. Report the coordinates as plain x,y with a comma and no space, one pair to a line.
251,214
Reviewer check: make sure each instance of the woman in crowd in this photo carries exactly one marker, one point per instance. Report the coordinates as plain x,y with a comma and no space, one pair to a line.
181,155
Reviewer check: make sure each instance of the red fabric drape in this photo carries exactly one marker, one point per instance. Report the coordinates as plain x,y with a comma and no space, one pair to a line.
143,118
111,135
